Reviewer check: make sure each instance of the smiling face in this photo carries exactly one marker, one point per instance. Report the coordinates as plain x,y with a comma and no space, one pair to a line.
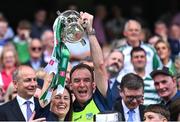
60,104
26,83
165,86
82,85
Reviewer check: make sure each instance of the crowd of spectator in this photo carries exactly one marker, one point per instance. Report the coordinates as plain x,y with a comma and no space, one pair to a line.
125,67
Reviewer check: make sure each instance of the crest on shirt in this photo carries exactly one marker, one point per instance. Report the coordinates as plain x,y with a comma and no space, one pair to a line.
89,116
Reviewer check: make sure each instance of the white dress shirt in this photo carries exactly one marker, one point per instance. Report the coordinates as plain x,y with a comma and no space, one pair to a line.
23,106
36,64
136,115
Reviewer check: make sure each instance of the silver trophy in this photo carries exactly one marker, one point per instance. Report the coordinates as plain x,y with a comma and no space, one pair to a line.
72,31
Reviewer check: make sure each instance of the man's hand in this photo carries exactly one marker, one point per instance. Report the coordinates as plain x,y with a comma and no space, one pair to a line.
43,119
86,20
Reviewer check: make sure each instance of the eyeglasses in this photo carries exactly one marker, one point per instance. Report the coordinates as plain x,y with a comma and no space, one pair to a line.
131,98
36,48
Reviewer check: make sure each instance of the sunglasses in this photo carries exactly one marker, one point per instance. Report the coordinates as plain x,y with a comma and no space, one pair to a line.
36,48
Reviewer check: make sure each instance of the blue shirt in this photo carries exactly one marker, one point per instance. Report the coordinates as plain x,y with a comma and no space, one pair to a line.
177,95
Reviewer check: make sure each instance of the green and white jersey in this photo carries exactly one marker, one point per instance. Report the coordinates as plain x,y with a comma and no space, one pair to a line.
171,66
150,94
153,61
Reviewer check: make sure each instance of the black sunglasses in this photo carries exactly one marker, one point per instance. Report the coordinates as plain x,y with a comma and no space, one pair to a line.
36,48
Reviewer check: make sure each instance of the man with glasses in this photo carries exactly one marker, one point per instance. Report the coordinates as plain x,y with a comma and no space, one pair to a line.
21,108
131,91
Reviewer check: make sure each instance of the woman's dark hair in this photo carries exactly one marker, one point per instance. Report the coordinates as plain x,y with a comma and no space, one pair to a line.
68,116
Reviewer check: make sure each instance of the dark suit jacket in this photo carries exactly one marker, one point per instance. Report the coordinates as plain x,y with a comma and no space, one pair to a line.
114,93
50,116
11,111
119,108
115,90
42,63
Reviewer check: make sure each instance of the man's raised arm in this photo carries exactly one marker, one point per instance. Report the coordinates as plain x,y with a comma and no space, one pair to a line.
101,78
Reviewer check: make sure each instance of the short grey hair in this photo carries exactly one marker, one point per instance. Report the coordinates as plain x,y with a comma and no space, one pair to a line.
129,21
18,71
43,36
15,75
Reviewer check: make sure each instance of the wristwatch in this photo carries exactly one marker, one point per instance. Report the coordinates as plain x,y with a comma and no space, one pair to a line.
93,32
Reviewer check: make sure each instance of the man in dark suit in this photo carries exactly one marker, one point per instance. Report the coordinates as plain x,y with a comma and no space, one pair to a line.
21,108
114,64
131,91
36,51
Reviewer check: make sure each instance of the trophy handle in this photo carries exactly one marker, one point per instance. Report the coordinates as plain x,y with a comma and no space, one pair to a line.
58,13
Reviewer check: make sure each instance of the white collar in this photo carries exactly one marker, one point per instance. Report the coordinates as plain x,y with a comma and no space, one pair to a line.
126,109
21,100
169,63
113,79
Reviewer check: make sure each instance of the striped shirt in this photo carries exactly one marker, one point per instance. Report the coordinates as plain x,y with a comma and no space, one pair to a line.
150,94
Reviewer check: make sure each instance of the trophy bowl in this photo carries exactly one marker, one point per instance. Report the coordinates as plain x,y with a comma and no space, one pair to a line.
72,30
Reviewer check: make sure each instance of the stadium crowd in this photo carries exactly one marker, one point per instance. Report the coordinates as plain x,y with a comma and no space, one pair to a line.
124,67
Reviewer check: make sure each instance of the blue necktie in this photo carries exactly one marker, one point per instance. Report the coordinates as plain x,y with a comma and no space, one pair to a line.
28,110
130,117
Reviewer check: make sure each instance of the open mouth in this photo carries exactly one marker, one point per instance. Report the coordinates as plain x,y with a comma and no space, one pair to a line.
82,92
61,106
